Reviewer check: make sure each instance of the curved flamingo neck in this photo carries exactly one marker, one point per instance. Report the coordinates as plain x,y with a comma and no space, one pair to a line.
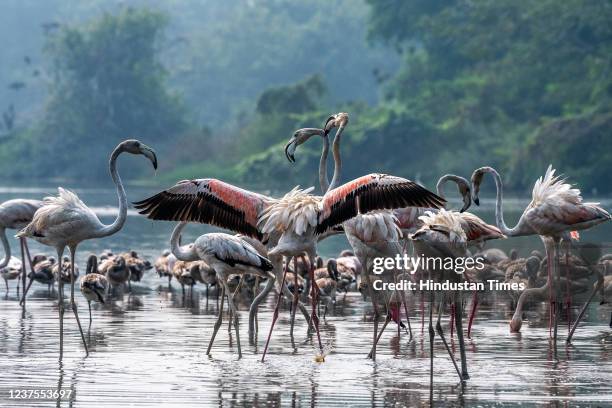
182,253
7,248
337,159
445,179
499,214
323,179
120,220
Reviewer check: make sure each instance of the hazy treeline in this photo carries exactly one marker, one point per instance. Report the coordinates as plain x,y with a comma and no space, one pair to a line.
218,87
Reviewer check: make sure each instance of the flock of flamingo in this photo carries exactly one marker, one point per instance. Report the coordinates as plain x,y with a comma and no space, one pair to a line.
276,243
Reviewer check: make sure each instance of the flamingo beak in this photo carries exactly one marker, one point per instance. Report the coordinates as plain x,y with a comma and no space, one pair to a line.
467,201
149,154
290,150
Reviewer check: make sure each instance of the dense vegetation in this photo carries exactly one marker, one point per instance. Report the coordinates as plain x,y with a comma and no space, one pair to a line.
513,84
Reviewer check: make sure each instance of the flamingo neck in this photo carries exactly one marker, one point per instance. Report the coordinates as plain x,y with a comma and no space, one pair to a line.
182,253
323,179
445,179
120,220
7,248
499,214
337,159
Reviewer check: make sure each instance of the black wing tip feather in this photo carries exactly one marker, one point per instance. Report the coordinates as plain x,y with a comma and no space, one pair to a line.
380,197
205,209
266,265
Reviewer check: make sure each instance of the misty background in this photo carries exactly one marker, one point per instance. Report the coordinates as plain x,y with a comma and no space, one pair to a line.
217,87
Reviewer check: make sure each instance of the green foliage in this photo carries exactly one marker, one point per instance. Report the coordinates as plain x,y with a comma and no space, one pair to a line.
299,98
108,85
490,74
515,84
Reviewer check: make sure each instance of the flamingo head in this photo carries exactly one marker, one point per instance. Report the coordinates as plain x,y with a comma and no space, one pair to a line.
477,177
299,137
515,324
339,120
134,146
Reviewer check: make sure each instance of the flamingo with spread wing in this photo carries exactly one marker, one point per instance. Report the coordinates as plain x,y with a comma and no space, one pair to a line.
294,222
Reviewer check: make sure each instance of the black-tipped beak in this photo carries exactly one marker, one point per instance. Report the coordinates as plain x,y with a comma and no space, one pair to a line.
476,200
290,150
149,154
154,161
466,204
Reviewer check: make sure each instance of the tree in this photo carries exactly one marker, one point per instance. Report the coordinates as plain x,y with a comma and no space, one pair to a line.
108,85
491,75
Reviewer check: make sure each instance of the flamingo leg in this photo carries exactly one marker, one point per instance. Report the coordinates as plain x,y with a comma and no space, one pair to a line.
382,329
230,310
23,272
431,344
568,296
89,304
255,293
399,319
218,322
25,292
403,295
452,318
275,315
422,311
375,309
27,251
315,299
72,302
441,334
60,298
474,307
234,311
557,276
459,325
295,295
253,310
550,287
596,287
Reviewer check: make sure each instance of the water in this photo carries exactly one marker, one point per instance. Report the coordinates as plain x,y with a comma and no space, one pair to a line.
148,349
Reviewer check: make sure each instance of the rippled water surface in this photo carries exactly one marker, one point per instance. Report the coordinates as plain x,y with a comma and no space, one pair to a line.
148,349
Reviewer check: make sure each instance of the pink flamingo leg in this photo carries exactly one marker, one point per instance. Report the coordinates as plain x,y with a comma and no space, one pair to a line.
568,296
550,301
275,315
315,299
472,314
452,319
422,311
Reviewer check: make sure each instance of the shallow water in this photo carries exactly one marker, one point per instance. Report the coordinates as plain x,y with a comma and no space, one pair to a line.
149,348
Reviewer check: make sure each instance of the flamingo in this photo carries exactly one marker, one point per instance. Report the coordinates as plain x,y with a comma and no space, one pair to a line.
328,285
442,236
293,223
65,221
42,271
555,209
11,271
116,271
16,214
203,273
93,285
226,254
407,218
163,265
182,273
